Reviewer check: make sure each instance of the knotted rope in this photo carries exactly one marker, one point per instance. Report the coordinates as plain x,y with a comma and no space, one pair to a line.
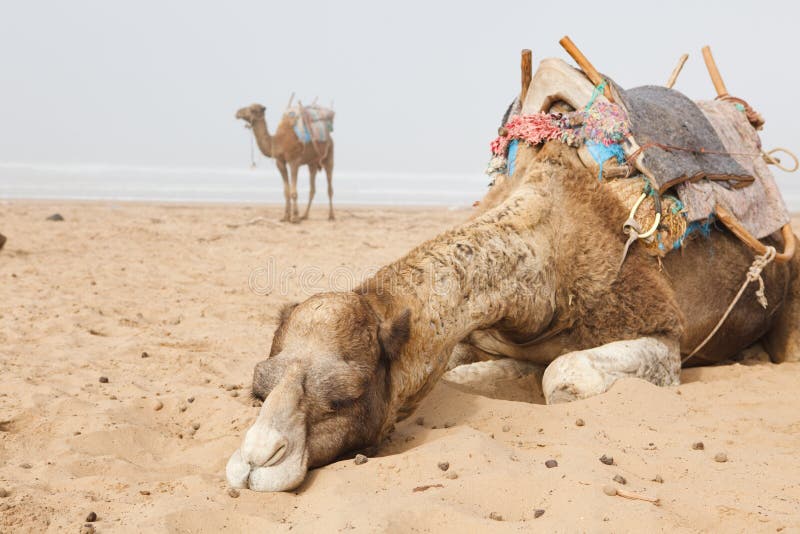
753,275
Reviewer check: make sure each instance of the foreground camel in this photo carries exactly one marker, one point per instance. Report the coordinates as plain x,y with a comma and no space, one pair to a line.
534,277
290,154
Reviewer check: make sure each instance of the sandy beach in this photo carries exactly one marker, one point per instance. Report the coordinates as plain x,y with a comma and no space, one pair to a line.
129,335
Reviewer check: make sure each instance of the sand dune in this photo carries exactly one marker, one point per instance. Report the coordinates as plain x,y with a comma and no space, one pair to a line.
197,289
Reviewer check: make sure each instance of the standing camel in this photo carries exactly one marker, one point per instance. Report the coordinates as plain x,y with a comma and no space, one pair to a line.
288,150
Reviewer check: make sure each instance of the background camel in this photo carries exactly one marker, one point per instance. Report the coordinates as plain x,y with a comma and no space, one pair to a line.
290,154
534,277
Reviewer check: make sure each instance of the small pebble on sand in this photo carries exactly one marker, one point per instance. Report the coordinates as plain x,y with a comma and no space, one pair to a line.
104,380
420,421
234,493
610,490
234,393
698,446
538,513
658,479
182,407
495,516
145,355
444,466
506,428
25,465
452,475
144,492
3,493
190,400
196,426
551,464
578,422
619,479
721,457
91,518
360,459
55,217
608,460
158,405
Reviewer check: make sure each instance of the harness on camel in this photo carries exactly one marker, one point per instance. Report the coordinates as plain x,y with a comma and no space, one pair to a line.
680,165
313,124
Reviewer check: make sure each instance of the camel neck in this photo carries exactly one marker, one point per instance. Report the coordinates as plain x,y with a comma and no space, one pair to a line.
494,271
263,139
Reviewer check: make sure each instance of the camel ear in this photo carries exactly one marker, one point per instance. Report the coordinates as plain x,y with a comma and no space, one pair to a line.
393,334
285,311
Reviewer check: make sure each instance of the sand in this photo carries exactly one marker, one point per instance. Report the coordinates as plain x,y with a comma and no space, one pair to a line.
84,298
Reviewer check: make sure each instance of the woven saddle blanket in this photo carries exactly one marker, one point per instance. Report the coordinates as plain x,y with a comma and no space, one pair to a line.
708,152
311,123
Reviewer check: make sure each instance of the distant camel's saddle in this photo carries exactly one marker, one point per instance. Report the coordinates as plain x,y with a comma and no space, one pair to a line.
707,152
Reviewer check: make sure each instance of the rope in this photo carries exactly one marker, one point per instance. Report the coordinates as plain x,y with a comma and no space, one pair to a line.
252,154
753,274
753,117
597,90
770,159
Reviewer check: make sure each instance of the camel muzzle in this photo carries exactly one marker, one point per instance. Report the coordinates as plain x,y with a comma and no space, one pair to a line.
273,455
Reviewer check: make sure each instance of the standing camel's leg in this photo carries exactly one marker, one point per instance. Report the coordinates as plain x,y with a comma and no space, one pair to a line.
585,373
783,340
287,193
295,168
329,174
312,182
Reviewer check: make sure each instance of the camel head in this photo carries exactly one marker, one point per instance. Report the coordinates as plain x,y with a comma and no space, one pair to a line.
325,387
251,113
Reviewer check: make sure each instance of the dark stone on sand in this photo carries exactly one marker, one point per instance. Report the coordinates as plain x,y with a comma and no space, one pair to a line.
538,513
91,518
55,217
145,355
551,463
619,479
234,493
608,460
104,380
698,446
360,459
444,466
2,240
495,516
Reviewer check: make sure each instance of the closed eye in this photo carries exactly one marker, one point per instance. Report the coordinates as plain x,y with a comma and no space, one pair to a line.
339,405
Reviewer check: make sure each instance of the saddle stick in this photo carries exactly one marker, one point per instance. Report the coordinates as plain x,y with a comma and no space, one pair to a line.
526,65
713,71
594,76
676,72
731,223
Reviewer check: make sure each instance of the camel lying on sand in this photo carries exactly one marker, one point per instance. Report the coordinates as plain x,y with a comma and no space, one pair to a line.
534,277
289,151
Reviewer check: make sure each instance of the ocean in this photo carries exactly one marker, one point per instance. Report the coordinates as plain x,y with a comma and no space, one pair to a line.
262,184
259,185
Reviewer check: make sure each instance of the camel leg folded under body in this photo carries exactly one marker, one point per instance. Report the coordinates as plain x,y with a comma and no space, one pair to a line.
585,373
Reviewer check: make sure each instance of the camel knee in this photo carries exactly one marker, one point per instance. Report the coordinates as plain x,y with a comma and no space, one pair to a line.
586,373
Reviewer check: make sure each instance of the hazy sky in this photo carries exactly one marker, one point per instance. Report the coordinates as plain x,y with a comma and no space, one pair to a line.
418,86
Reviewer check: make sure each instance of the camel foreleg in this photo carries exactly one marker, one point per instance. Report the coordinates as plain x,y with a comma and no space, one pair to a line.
585,373
312,183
